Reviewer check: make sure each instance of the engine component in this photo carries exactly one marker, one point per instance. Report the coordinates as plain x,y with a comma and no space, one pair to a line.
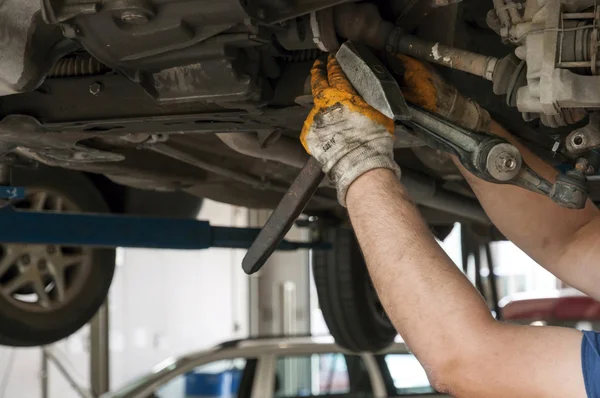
558,40
362,23
149,34
297,35
586,138
132,34
209,81
323,30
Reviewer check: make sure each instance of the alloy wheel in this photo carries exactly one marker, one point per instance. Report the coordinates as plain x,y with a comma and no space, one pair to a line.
43,278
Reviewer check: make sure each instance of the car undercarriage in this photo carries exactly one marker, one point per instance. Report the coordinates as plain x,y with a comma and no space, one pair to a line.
209,98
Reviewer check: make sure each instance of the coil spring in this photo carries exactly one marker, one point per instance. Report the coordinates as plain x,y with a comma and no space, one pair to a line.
78,65
303,55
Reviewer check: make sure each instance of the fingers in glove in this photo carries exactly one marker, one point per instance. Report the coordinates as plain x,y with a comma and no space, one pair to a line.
336,76
306,129
318,79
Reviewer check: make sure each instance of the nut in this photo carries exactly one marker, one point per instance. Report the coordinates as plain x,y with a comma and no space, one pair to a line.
95,88
503,162
578,140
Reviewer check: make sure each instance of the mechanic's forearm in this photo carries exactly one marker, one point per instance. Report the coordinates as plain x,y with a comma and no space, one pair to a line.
417,283
559,239
440,315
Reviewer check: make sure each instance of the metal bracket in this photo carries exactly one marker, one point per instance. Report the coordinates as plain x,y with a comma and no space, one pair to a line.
493,159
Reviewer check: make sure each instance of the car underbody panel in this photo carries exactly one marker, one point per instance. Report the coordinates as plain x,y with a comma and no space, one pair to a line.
101,86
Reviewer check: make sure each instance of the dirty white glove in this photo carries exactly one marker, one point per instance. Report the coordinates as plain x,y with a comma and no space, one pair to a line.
345,134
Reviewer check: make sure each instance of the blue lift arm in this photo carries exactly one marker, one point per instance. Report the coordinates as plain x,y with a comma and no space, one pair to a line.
108,230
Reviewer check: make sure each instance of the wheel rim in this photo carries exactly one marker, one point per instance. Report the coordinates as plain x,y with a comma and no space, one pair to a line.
43,278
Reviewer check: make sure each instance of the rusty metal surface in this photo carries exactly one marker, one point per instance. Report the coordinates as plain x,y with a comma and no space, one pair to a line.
451,57
284,216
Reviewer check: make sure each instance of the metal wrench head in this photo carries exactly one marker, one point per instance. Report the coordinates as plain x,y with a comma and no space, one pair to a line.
372,80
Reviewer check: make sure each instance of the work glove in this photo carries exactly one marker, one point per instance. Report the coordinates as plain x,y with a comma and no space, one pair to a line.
344,133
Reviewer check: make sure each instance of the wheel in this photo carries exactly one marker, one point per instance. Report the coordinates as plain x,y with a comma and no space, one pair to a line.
441,232
348,301
48,292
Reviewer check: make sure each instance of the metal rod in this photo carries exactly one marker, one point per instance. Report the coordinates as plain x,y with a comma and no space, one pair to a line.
579,15
247,179
60,367
574,64
465,249
428,193
493,281
466,61
100,352
287,291
44,374
478,280
254,182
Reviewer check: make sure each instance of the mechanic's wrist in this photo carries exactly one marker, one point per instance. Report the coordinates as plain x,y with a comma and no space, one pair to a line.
357,163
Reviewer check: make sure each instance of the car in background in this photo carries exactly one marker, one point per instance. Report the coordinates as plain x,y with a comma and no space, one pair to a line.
567,308
290,367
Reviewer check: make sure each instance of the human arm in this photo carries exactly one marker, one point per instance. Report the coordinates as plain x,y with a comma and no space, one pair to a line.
565,242
441,316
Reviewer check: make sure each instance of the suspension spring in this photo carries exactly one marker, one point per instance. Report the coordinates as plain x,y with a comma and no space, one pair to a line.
77,66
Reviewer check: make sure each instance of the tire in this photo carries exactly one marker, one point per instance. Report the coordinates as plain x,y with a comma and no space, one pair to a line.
348,301
441,232
26,325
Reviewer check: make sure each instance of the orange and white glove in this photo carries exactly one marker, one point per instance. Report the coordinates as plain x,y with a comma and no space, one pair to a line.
344,133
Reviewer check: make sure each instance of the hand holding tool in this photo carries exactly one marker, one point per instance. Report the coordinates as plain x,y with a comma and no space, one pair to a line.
336,104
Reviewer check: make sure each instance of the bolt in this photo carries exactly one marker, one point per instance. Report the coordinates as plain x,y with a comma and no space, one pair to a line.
95,88
261,13
134,17
25,259
506,162
42,264
510,164
51,249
